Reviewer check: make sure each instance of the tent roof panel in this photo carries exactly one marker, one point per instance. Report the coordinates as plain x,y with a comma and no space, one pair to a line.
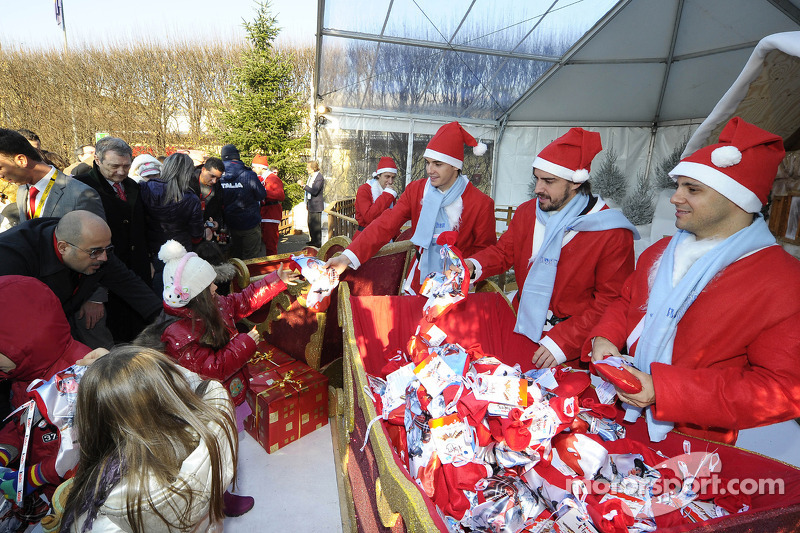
627,37
691,92
711,24
595,93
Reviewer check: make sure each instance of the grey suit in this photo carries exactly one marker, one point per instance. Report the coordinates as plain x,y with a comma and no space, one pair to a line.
67,194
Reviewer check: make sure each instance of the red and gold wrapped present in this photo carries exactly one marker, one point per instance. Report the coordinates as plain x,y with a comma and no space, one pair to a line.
268,357
288,402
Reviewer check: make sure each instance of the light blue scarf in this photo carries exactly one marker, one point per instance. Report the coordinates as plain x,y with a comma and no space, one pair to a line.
432,221
667,304
538,287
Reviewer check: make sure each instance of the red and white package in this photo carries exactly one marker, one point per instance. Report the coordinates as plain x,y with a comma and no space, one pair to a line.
323,281
614,370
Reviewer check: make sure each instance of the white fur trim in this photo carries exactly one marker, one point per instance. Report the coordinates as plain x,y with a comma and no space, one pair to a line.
444,158
390,191
479,149
453,212
478,269
375,188
386,169
554,348
354,262
726,156
548,166
720,182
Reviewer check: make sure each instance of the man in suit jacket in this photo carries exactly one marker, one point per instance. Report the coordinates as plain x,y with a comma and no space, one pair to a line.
125,216
74,256
43,190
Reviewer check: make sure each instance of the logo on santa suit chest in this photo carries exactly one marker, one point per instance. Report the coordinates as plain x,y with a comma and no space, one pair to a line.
49,437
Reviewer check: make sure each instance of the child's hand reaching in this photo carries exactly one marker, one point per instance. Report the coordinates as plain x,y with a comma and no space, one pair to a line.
289,277
255,335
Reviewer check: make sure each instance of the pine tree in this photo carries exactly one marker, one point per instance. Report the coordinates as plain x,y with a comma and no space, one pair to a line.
638,206
265,112
608,181
663,181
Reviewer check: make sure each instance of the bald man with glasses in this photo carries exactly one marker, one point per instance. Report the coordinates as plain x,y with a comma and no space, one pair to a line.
74,256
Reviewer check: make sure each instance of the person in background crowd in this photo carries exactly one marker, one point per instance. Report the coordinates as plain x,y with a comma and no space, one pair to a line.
242,195
53,159
376,195
205,184
172,210
570,254
32,138
85,156
144,167
124,210
711,315
445,201
315,203
158,447
73,256
271,208
43,191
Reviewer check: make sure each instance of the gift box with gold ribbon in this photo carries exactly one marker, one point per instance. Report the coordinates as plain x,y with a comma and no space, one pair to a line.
268,357
288,402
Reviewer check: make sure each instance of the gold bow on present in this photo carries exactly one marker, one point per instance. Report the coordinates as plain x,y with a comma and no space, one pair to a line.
261,356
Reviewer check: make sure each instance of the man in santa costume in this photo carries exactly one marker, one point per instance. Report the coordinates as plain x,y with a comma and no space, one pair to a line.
271,206
571,255
445,201
711,316
376,195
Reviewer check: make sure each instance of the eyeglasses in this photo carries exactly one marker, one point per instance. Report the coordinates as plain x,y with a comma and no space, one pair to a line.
94,253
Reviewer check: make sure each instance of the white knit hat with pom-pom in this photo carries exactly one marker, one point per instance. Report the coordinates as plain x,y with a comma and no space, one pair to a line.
185,274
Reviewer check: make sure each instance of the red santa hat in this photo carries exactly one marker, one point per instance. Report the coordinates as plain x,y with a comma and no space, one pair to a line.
260,160
447,145
570,156
386,164
741,167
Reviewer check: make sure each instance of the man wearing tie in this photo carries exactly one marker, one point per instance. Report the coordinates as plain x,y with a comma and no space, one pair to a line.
125,216
43,190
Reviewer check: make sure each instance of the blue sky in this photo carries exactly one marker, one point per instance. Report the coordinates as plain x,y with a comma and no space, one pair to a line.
32,23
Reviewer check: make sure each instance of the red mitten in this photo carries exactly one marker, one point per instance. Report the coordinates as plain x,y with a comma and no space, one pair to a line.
571,383
611,516
451,482
515,431
734,503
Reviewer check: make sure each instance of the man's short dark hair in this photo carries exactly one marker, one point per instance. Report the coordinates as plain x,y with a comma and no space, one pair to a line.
28,134
214,163
79,151
585,188
13,143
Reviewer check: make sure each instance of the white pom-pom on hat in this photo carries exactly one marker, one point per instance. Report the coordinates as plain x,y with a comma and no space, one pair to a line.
580,175
171,250
726,156
479,149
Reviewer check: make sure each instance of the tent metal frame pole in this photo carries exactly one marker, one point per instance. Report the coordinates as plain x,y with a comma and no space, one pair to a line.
495,151
358,36
315,97
788,9
613,12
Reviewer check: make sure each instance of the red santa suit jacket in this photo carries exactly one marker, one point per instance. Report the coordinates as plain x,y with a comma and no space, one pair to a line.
369,208
228,364
474,213
736,356
591,271
271,209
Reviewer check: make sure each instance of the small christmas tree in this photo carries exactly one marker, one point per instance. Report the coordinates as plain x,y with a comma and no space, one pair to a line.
608,181
638,206
662,180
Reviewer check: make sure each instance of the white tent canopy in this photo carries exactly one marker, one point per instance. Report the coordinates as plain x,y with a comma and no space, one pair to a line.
643,73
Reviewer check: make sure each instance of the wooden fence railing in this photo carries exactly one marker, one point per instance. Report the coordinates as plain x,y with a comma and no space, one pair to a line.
341,218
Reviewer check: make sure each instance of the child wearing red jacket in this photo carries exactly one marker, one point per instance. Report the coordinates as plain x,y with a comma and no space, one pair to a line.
203,337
